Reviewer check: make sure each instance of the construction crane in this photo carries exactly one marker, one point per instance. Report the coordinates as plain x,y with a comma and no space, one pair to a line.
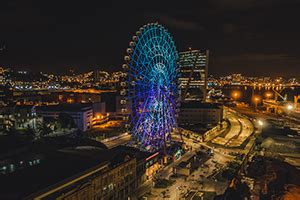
277,94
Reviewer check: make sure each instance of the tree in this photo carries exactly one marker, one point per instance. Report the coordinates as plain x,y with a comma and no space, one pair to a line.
43,129
29,132
66,121
231,169
11,131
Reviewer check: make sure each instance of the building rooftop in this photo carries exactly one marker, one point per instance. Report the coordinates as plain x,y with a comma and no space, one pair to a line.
24,106
199,105
53,166
65,107
134,152
193,51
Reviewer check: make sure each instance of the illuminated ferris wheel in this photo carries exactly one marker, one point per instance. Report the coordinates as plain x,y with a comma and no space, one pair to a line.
150,87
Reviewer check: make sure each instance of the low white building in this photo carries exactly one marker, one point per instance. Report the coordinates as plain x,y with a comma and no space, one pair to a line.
82,114
195,113
25,117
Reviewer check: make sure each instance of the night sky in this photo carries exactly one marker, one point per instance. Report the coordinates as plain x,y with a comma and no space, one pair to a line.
252,37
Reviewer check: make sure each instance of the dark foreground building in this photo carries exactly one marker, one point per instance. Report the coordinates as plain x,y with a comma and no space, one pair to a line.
83,171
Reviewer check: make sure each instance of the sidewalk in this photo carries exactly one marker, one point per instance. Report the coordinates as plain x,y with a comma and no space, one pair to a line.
216,131
142,189
163,174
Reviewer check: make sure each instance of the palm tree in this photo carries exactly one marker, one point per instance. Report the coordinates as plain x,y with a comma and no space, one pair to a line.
43,129
11,131
29,132
66,121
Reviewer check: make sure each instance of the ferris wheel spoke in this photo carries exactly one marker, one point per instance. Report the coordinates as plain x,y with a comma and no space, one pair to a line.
143,111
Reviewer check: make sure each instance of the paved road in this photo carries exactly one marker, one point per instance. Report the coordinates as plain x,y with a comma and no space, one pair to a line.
198,180
240,129
167,171
183,185
234,130
246,130
118,141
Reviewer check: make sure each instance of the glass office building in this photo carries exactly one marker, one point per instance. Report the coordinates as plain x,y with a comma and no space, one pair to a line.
193,66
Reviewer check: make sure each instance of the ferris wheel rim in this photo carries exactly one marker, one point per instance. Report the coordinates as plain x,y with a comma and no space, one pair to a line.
151,65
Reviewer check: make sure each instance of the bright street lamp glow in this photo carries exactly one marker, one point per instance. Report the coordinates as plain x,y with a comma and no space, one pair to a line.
260,122
256,99
290,107
236,95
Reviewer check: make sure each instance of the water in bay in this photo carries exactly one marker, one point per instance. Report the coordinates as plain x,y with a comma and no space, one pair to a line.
246,93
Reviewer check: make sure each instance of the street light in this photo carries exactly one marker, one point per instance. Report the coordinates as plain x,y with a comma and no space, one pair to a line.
236,95
260,123
289,108
256,100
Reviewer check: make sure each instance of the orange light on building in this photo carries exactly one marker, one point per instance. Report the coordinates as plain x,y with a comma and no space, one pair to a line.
268,94
70,100
60,97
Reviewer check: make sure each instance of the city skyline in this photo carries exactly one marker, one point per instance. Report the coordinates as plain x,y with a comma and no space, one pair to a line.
149,100
248,38
71,73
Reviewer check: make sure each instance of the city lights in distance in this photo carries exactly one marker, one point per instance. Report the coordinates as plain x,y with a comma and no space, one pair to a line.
236,95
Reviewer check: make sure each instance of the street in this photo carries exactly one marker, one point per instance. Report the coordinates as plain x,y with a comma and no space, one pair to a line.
240,129
116,141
